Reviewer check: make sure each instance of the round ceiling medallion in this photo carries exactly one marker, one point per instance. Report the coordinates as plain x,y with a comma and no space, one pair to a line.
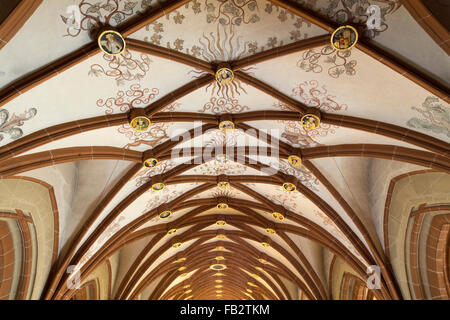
223,185
165,214
278,216
295,161
218,274
187,286
158,186
150,163
224,76
290,187
251,284
140,123
171,231
181,260
218,286
176,245
270,230
261,260
221,223
218,266
265,244
219,291
182,268
111,42
188,291
249,291
222,206
310,121
183,275
220,258
226,125
344,38
221,236
218,281
220,248
188,298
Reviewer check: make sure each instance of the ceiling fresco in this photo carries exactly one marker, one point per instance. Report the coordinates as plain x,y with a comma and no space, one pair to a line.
228,170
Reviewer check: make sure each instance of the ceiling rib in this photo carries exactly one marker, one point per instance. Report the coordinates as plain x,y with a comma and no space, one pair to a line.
50,134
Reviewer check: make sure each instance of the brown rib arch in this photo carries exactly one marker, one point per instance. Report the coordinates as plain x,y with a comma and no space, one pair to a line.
57,132
52,157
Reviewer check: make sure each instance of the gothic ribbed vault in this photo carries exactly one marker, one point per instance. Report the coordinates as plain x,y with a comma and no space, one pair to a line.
81,217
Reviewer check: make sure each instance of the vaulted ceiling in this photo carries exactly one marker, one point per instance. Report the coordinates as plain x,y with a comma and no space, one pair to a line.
78,206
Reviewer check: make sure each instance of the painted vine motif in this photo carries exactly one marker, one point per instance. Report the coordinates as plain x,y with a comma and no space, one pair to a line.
9,126
136,96
337,62
106,12
123,68
354,12
223,105
144,175
157,198
125,100
313,95
434,116
215,168
302,174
